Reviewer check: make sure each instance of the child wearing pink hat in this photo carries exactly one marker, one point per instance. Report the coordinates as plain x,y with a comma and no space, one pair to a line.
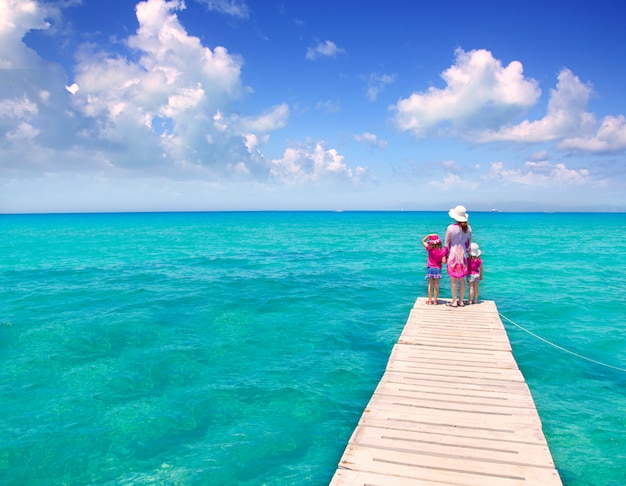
436,257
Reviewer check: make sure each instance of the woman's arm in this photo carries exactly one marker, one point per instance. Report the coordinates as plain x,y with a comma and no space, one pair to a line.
446,244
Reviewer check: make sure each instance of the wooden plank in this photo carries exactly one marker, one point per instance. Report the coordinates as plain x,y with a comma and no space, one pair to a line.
446,380
451,408
528,433
443,355
484,448
445,468
459,372
453,416
468,411
346,477
438,393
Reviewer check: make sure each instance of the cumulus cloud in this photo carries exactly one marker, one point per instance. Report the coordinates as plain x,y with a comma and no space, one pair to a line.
169,80
453,181
161,102
18,108
323,49
483,101
273,119
566,115
17,18
252,142
305,164
171,59
371,140
567,122
34,105
609,137
479,92
23,131
542,173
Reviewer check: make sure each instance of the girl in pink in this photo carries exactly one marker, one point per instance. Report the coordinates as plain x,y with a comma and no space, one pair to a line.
436,257
475,272
457,243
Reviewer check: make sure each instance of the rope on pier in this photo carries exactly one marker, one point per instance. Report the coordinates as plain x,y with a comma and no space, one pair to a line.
560,347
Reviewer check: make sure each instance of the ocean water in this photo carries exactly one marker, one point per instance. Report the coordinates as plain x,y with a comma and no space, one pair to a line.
241,348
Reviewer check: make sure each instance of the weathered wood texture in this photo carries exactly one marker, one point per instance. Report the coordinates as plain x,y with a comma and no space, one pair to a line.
452,408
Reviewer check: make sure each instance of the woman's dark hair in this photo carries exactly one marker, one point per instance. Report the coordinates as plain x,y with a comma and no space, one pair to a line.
463,225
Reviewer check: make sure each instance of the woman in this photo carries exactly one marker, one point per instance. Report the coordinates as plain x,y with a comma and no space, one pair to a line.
457,243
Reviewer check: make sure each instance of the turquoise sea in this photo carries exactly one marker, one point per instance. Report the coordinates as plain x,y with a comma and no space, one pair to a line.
241,348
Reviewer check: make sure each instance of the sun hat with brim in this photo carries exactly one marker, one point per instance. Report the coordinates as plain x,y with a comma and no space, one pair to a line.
459,214
474,250
434,240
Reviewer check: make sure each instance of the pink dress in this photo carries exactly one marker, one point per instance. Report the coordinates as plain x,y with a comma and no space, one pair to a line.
474,269
435,257
457,244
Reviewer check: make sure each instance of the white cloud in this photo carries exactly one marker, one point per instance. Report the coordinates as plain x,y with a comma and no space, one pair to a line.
453,182
482,100
371,140
16,18
566,115
540,174
161,102
252,142
610,137
18,108
323,49
235,8
376,83
24,131
567,122
271,120
479,92
34,108
175,80
301,165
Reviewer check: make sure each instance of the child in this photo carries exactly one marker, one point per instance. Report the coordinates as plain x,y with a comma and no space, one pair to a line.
475,272
436,257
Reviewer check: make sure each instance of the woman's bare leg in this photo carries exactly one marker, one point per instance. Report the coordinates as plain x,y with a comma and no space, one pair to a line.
453,289
462,291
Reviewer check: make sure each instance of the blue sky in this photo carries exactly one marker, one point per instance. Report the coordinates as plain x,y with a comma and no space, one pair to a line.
252,105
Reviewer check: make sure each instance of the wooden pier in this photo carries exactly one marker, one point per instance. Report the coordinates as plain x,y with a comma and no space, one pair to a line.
451,408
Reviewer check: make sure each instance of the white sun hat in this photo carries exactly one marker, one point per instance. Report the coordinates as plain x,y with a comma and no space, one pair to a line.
459,214
474,250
